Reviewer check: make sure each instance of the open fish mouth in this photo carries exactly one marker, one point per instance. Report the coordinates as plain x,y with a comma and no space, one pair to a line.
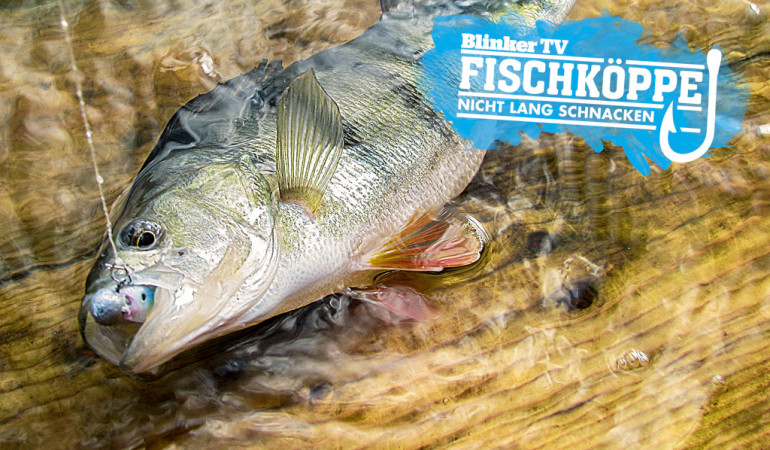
110,323
108,341
111,316
115,322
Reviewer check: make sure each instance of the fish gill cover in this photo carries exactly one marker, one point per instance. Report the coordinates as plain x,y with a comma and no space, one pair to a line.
590,77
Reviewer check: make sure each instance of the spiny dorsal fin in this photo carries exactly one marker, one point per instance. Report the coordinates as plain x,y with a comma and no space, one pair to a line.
309,143
431,242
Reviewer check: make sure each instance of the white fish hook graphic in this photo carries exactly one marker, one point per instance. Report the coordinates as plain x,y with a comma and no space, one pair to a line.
713,59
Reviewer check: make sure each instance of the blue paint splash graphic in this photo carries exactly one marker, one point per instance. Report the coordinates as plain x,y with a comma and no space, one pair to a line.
653,102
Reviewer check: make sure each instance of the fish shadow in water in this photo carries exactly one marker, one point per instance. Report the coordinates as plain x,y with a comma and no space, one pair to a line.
299,344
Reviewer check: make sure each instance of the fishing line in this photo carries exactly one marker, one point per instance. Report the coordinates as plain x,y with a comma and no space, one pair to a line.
97,175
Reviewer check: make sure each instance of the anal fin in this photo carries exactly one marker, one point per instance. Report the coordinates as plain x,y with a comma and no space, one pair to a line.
431,242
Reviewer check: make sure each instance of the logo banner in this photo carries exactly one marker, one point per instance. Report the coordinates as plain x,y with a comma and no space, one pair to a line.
592,78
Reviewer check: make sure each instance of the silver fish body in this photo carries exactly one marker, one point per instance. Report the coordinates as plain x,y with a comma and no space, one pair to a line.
207,234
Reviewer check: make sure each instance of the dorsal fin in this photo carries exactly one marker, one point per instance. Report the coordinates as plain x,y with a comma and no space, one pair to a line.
310,141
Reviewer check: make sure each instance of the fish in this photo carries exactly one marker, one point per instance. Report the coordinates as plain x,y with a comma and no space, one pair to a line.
285,185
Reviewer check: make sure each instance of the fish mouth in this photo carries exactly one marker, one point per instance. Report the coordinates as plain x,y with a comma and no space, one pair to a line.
111,315
174,326
179,319
185,311
154,343
108,341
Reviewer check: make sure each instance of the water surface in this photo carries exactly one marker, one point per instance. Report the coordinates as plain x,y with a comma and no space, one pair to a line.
611,309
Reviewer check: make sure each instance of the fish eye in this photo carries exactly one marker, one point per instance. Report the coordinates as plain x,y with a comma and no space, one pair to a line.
141,233
145,239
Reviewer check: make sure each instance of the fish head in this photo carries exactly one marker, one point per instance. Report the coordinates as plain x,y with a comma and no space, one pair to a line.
195,247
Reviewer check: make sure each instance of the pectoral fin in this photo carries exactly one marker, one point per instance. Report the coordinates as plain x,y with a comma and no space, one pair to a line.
310,141
430,243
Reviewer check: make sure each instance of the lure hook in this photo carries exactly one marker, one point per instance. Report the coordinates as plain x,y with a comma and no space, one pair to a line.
122,282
